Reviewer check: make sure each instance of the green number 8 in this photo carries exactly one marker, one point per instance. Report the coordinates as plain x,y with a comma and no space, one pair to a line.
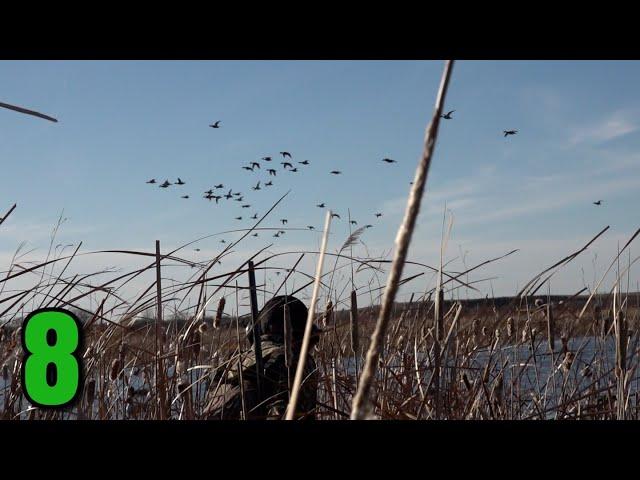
51,367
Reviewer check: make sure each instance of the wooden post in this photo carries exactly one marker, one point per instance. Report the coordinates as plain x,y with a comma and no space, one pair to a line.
257,332
160,389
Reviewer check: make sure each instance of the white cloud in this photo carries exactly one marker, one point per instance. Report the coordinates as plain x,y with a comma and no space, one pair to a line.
616,125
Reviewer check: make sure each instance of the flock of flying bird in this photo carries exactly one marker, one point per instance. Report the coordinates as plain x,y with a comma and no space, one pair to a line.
216,193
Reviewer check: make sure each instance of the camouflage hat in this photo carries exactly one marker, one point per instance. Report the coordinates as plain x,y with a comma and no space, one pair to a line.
271,317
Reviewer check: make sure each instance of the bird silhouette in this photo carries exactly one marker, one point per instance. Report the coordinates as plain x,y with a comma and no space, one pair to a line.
447,116
305,162
185,196
281,232
268,184
266,159
239,199
335,172
368,226
277,235
222,241
248,168
378,215
217,197
335,215
353,222
284,221
285,154
215,125
228,195
238,194
209,196
389,160
320,205
599,202
219,186
209,192
255,165
165,184
294,170
257,187
311,227
246,206
179,182
238,218
196,249
509,132
254,235
286,164
153,180
272,172
255,217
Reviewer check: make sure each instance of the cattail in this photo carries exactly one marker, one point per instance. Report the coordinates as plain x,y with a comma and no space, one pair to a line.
196,343
510,327
180,368
219,312
565,343
550,327
328,314
475,326
114,372
568,361
122,353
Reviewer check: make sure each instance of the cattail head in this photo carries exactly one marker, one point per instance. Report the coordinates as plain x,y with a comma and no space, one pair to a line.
569,357
328,314
510,327
219,312
114,371
180,367
196,342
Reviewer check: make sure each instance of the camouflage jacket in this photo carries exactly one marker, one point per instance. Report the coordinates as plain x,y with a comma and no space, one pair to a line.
226,395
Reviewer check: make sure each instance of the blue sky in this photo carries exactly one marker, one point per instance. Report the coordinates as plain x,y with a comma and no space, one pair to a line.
121,123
